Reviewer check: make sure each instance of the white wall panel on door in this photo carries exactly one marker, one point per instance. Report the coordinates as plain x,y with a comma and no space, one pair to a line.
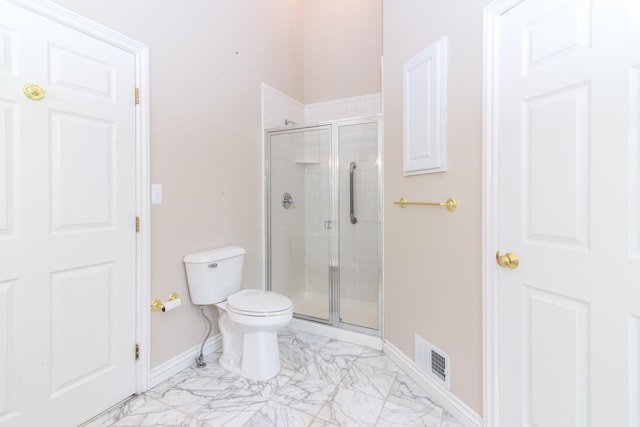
556,157
634,162
572,32
7,52
555,357
563,115
67,231
81,72
634,370
7,130
8,367
69,336
7,167
634,16
82,172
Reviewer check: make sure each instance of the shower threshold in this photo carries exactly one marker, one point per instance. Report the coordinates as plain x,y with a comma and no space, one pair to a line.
352,311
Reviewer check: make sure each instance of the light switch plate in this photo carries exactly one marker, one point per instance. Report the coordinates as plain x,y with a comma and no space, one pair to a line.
156,194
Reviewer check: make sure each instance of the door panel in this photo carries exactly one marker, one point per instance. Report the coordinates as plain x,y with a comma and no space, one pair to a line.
555,357
82,172
634,370
563,30
7,171
555,163
81,73
634,162
69,336
568,143
8,62
8,365
67,228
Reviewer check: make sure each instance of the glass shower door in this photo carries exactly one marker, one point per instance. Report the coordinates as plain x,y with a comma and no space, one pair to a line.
299,206
359,215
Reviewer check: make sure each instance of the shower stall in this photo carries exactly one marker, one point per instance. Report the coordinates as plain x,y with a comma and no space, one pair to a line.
323,205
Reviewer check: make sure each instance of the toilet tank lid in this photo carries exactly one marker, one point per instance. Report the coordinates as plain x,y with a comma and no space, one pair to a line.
214,254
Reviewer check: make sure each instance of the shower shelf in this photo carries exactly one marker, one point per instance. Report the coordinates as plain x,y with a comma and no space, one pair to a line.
307,162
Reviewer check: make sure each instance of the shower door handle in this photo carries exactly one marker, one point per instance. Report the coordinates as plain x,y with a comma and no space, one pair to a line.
352,215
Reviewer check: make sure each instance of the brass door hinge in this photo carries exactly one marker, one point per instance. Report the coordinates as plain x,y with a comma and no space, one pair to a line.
137,224
137,96
137,351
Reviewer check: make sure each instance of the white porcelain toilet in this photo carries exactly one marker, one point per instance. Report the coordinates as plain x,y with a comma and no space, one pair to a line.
248,319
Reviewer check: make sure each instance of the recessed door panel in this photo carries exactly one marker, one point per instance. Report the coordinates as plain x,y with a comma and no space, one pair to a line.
556,164
8,367
81,324
7,51
82,172
634,370
81,72
563,29
421,78
634,16
555,356
634,162
8,139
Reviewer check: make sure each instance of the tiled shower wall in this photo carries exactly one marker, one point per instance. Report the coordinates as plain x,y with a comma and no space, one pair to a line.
278,107
345,108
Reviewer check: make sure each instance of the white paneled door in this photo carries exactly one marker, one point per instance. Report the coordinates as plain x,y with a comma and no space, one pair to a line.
67,223
564,142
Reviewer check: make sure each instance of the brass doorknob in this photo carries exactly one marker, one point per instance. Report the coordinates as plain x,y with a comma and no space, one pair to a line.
507,260
33,91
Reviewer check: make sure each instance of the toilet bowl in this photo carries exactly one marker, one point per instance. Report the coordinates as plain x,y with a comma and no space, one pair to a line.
248,319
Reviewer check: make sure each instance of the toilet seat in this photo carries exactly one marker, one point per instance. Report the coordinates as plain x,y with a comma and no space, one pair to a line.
259,303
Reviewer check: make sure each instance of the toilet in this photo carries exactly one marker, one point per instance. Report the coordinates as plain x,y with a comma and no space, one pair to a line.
248,319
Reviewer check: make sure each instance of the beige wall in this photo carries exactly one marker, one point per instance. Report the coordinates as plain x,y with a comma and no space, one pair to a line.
207,62
208,59
432,265
342,48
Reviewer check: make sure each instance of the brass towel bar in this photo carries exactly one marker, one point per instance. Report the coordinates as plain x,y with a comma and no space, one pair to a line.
450,204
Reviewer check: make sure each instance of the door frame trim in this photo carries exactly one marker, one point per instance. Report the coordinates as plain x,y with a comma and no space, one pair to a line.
491,211
63,16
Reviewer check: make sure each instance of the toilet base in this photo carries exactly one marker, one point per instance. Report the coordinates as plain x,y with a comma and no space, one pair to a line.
249,351
254,365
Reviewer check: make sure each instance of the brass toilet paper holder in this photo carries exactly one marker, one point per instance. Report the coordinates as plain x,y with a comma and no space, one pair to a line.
157,305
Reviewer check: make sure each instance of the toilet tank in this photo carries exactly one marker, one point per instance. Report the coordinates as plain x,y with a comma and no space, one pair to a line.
215,274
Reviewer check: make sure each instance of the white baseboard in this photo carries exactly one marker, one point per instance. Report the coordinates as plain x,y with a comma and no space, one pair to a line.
447,400
337,333
166,370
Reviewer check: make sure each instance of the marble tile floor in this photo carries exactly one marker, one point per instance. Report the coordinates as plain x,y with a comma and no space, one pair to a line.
322,382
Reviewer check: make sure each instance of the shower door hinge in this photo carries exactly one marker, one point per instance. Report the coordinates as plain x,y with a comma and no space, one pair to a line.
137,96
137,351
137,224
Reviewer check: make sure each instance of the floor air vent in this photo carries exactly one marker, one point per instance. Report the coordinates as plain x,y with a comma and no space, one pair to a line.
438,365
433,361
